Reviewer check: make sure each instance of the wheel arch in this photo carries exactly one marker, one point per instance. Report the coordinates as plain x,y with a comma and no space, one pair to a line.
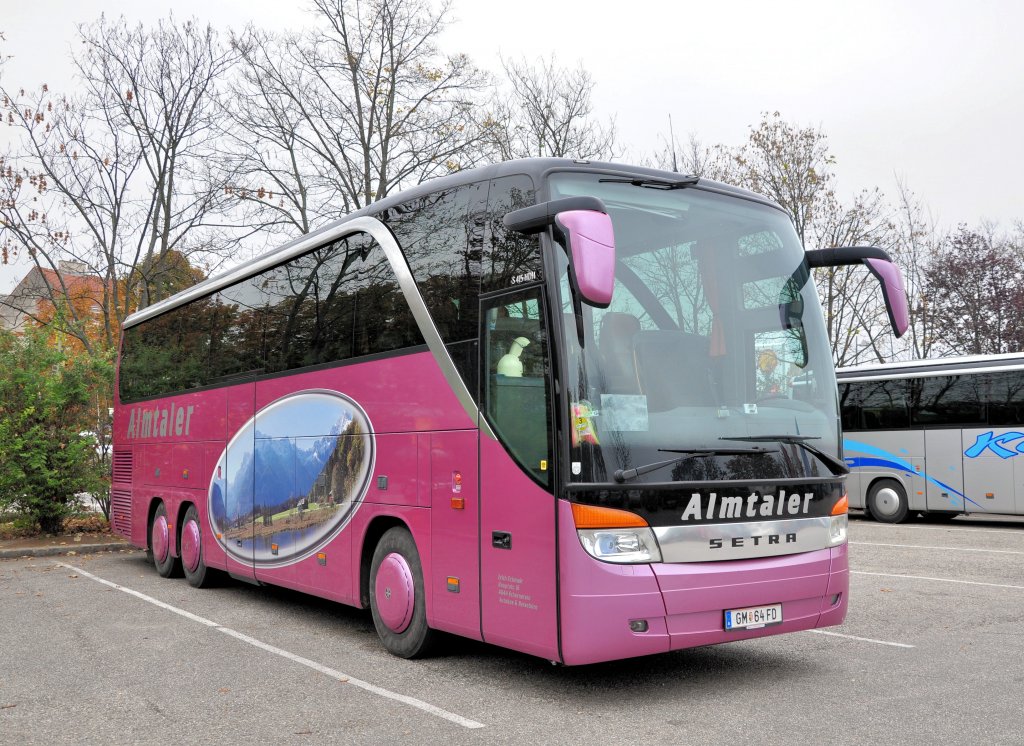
179,521
155,502
374,531
875,480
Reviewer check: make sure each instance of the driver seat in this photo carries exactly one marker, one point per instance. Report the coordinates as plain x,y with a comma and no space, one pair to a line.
674,369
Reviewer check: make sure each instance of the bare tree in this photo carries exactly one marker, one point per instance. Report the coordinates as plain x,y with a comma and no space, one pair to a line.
116,179
547,111
791,165
980,278
348,113
271,172
918,242
855,317
63,197
695,158
157,85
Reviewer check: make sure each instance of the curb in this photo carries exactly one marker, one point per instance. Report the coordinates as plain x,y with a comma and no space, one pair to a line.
58,550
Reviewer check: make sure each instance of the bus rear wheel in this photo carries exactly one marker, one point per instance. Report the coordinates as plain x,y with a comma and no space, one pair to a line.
397,597
887,501
164,561
196,572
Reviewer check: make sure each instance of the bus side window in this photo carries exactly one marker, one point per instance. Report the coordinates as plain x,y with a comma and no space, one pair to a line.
516,374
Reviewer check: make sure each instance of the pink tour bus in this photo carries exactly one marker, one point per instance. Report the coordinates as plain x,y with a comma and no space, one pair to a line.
580,410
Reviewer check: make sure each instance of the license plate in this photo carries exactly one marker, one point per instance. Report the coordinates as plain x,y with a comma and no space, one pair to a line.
753,617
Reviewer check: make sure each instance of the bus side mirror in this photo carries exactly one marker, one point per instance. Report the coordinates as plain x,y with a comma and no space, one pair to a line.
591,243
586,228
882,267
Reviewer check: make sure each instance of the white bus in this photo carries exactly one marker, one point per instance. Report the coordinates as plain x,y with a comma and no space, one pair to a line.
935,436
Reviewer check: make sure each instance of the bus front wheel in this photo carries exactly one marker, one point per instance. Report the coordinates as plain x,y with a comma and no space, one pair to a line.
396,595
887,501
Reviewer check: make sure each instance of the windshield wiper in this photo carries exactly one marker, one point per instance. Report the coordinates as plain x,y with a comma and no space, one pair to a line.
621,475
836,466
686,181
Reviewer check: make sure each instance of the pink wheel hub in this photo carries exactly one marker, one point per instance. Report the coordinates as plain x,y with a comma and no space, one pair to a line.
160,538
394,592
190,545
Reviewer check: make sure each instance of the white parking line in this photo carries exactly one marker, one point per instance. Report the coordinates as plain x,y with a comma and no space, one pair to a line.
944,549
938,580
332,673
860,639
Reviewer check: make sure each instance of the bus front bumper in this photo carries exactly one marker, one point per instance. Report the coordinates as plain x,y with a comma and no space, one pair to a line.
613,611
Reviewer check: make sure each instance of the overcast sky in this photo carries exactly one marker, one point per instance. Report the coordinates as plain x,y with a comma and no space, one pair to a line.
930,92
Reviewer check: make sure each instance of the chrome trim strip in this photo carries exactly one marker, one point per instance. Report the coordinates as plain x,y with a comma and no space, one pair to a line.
380,233
933,373
938,366
693,543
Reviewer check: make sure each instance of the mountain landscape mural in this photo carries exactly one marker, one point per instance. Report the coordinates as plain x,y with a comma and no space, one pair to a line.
290,479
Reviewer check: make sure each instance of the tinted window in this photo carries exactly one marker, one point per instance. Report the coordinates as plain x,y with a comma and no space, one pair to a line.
436,236
947,401
382,319
238,339
510,258
336,302
147,358
875,405
1006,399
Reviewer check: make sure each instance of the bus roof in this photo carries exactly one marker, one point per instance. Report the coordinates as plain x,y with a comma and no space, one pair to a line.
536,168
949,366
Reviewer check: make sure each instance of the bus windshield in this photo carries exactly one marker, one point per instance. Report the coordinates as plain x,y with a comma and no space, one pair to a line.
712,361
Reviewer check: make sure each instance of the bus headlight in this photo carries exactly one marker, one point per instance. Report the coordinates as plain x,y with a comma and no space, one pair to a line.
622,545
837,529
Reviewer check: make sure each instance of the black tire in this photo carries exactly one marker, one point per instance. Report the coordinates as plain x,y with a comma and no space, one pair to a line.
887,501
201,576
416,639
167,565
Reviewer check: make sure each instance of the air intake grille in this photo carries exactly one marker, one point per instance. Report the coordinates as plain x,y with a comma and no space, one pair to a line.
121,511
123,466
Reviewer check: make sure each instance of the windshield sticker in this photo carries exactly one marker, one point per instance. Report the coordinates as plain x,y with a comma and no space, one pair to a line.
624,412
583,430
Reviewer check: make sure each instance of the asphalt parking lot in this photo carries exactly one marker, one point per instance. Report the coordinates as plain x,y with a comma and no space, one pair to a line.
931,652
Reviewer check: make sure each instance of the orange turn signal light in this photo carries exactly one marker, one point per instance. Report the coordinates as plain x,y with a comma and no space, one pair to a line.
591,516
843,506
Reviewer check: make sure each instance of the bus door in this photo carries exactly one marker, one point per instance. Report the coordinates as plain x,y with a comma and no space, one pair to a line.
944,462
947,406
239,479
989,466
517,507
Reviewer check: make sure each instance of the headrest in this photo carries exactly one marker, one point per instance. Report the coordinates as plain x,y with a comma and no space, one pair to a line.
618,326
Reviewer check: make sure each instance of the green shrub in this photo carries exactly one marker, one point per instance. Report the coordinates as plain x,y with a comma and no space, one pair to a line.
47,454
